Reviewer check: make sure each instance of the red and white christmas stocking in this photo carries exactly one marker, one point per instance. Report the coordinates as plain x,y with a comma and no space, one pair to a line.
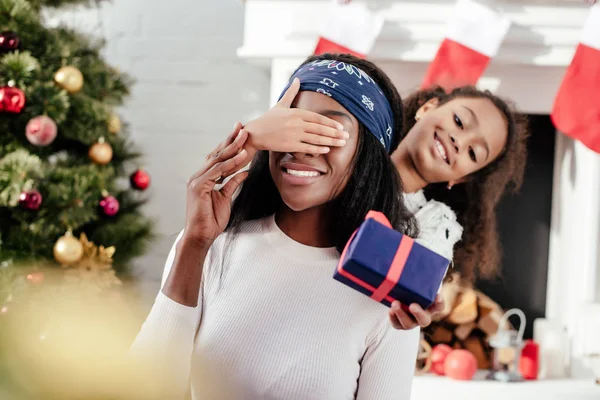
474,35
576,110
349,28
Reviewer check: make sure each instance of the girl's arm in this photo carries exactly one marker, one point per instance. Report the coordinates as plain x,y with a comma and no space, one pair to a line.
388,366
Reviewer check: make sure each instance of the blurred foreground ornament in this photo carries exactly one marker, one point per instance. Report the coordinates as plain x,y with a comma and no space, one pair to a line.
41,130
140,179
30,200
69,78
109,205
12,99
507,345
68,250
9,41
101,153
95,266
114,124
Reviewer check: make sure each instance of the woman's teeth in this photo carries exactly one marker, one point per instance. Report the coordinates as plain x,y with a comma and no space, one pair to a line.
441,150
301,173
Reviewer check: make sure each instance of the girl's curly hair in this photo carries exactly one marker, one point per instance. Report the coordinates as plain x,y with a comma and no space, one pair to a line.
478,254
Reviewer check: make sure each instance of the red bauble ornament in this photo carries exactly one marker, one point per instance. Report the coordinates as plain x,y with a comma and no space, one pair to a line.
35,278
12,99
438,356
41,131
109,206
30,200
140,180
9,41
461,365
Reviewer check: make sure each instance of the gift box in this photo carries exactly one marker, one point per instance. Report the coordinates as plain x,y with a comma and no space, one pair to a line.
386,265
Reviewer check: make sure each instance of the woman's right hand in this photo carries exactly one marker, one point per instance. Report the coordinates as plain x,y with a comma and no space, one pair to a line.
208,210
286,129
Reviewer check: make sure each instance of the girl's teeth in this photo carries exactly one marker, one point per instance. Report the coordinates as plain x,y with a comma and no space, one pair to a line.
301,173
441,150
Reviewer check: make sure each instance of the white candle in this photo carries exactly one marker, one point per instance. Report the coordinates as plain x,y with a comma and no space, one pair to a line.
553,344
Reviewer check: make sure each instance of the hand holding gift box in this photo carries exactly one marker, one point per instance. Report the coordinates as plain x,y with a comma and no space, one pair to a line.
386,265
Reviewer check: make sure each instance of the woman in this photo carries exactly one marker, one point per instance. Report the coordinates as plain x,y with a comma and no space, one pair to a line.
255,310
461,150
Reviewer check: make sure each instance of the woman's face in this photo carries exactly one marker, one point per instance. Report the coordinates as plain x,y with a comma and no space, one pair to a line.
309,180
451,141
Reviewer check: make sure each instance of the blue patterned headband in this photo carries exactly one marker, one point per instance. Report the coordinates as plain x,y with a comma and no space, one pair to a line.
354,90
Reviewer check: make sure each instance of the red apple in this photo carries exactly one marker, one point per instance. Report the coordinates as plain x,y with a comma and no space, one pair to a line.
461,365
438,356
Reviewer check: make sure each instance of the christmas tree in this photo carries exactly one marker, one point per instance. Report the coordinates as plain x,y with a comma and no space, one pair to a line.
63,149
70,179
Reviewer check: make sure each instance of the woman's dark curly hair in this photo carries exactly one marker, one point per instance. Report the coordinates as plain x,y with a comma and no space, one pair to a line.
373,184
478,254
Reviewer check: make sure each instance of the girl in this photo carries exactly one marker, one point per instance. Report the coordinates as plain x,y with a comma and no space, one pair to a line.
255,310
464,149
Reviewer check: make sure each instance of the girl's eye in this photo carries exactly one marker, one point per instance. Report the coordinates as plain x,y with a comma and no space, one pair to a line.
458,122
472,154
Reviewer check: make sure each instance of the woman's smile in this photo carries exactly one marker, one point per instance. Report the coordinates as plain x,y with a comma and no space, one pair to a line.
299,173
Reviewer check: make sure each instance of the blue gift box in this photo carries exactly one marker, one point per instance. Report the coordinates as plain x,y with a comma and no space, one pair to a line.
386,265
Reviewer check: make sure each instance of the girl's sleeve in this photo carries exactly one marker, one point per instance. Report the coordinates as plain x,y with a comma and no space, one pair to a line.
388,366
166,339
438,228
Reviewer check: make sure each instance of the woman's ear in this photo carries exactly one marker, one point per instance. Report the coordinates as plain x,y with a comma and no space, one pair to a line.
431,104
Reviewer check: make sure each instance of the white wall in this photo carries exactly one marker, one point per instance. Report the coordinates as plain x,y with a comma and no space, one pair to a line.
191,88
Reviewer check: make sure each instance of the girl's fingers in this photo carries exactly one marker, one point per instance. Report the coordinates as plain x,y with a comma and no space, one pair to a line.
309,116
322,130
323,140
394,320
403,318
312,149
290,94
423,318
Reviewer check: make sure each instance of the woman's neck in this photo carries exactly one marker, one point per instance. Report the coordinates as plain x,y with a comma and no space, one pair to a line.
309,227
411,179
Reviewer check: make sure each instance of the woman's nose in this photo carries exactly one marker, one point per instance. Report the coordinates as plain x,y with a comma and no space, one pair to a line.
300,156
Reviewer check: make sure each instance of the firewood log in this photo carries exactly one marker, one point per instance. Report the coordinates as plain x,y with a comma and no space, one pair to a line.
466,308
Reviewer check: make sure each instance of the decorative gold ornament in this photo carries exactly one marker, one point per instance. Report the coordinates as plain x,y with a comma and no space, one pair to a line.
101,153
114,124
69,78
95,266
67,249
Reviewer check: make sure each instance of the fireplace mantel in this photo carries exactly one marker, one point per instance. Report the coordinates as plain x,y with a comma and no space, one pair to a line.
530,65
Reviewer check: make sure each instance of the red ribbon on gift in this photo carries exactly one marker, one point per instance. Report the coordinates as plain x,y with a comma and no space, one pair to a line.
393,276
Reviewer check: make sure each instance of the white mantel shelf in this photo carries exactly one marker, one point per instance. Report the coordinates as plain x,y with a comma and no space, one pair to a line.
430,387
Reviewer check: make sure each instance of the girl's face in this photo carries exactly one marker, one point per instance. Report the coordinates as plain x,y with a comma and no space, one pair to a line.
451,141
309,180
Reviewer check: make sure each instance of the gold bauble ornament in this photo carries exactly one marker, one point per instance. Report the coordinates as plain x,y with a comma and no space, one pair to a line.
69,78
67,249
114,124
101,153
